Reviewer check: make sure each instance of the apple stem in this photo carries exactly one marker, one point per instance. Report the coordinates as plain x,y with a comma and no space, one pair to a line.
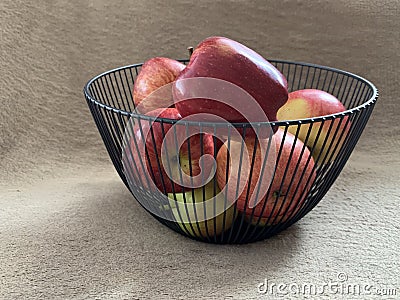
190,49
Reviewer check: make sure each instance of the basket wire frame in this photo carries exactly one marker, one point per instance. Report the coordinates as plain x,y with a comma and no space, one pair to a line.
110,100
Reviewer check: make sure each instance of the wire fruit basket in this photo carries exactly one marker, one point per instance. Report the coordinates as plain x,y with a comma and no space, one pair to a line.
295,188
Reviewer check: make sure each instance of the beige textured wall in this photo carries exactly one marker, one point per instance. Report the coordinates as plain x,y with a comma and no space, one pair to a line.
49,49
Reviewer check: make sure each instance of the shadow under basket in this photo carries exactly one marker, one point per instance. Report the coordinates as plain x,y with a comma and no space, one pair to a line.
309,154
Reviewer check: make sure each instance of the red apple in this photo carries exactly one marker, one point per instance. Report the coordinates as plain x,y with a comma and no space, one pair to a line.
249,85
157,141
286,192
311,103
155,73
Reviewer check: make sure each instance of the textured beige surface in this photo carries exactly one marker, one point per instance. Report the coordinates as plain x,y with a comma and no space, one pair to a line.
69,229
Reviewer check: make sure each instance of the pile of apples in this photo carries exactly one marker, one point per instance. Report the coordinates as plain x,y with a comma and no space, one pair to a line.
294,173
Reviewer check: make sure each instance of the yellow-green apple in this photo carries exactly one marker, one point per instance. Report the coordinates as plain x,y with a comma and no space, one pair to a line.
283,196
165,162
231,62
155,73
210,222
311,103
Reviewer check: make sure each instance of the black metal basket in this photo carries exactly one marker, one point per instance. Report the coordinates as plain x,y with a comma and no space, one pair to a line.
109,97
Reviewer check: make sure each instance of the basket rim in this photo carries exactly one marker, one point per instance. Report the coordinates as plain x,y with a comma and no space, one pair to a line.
348,112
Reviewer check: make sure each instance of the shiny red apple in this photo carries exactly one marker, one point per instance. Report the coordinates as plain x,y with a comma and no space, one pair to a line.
311,103
227,60
293,176
165,162
155,73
